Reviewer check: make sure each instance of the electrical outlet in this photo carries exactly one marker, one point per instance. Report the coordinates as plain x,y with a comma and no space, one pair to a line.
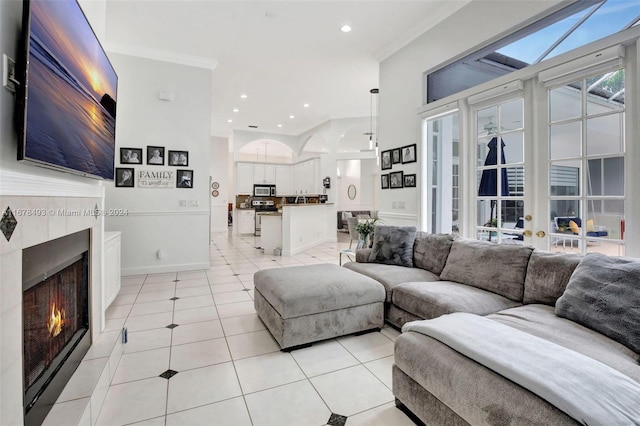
394,204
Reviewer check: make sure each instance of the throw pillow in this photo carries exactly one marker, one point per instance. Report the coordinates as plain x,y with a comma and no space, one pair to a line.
591,226
574,227
498,268
603,294
393,245
430,251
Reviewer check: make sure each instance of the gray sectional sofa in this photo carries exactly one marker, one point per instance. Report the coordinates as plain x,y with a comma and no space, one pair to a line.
583,311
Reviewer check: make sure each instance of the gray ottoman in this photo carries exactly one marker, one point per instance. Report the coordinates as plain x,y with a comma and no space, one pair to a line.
304,304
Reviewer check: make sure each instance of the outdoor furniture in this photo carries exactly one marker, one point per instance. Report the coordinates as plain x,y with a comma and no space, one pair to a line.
305,304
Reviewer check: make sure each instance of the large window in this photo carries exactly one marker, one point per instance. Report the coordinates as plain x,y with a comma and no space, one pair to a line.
576,25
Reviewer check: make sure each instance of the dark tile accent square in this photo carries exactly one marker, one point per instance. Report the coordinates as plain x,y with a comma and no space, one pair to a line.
337,420
246,289
176,281
172,326
174,298
235,275
168,374
8,223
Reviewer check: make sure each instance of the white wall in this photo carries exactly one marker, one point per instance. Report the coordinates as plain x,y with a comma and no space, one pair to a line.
363,175
401,84
157,219
219,172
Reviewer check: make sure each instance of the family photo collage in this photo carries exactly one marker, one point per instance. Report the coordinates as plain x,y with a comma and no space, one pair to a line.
125,176
403,155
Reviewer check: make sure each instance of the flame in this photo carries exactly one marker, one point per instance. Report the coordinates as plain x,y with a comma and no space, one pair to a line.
56,321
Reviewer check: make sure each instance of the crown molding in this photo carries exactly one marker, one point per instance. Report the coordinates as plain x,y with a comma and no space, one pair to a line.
162,55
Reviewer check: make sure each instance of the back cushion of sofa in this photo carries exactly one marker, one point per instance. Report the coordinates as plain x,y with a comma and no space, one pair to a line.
430,251
498,268
547,276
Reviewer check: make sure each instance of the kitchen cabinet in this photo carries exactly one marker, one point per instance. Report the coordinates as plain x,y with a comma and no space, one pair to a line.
246,221
283,179
305,177
244,178
264,173
111,287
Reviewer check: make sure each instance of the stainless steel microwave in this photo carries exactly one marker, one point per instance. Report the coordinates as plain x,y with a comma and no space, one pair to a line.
264,190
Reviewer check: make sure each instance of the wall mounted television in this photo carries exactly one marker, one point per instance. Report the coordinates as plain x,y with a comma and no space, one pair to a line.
67,99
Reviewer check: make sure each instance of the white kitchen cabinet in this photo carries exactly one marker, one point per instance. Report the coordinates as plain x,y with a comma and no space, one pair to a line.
283,179
246,221
244,178
264,174
111,287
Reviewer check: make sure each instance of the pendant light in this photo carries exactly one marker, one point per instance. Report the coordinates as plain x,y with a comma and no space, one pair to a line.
373,138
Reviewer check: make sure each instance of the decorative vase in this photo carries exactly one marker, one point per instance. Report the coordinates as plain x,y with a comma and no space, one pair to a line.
364,241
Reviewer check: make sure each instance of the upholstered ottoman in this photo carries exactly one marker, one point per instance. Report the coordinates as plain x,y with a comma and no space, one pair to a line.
305,304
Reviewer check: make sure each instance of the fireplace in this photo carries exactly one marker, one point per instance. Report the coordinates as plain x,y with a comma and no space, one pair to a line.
55,319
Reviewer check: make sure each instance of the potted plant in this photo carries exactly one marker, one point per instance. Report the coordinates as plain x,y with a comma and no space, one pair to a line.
365,229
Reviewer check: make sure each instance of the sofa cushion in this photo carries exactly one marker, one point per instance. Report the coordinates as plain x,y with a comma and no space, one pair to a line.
499,268
391,276
430,251
432,299
541,321
604,294
393,245
547,276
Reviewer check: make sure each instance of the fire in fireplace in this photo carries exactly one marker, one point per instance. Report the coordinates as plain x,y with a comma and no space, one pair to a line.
55,321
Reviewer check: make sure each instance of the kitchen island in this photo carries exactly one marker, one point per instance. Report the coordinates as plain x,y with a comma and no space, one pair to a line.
299,228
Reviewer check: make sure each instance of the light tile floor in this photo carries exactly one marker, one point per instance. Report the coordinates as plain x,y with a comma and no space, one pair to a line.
202,325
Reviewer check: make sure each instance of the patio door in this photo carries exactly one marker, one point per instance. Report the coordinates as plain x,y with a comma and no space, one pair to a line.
500,171
586,126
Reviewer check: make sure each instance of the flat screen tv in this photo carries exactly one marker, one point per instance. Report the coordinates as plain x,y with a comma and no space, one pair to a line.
67,110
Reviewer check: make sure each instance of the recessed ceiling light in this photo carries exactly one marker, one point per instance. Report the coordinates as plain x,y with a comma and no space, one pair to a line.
229,121
243,96
306,105
279,125
345,28
236,110
292,116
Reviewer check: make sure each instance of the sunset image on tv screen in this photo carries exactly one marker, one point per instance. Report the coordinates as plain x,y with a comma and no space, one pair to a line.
71,92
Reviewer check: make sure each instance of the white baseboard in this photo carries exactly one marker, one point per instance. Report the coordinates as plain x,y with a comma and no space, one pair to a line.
143,270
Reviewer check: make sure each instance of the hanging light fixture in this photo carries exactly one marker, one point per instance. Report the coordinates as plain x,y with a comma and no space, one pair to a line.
373,138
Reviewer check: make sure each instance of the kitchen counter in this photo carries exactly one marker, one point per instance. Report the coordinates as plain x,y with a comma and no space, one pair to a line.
306,225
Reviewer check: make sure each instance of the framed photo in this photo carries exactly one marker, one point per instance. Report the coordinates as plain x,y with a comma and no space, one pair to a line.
395,156
184,179
395,179
155,155
130,155
125,177
386,160
384,181
409,154
178,158
410,181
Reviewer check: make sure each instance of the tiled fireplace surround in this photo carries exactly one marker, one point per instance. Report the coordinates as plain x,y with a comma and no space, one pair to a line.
36,228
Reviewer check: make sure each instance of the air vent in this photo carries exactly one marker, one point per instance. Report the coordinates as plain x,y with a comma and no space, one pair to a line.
253,127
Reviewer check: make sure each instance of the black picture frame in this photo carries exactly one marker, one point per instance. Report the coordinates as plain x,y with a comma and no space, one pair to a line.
125,177
396,156
385,160
384,181
396,179
130,155
154,159
409,154
178,158
409,181
184,179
